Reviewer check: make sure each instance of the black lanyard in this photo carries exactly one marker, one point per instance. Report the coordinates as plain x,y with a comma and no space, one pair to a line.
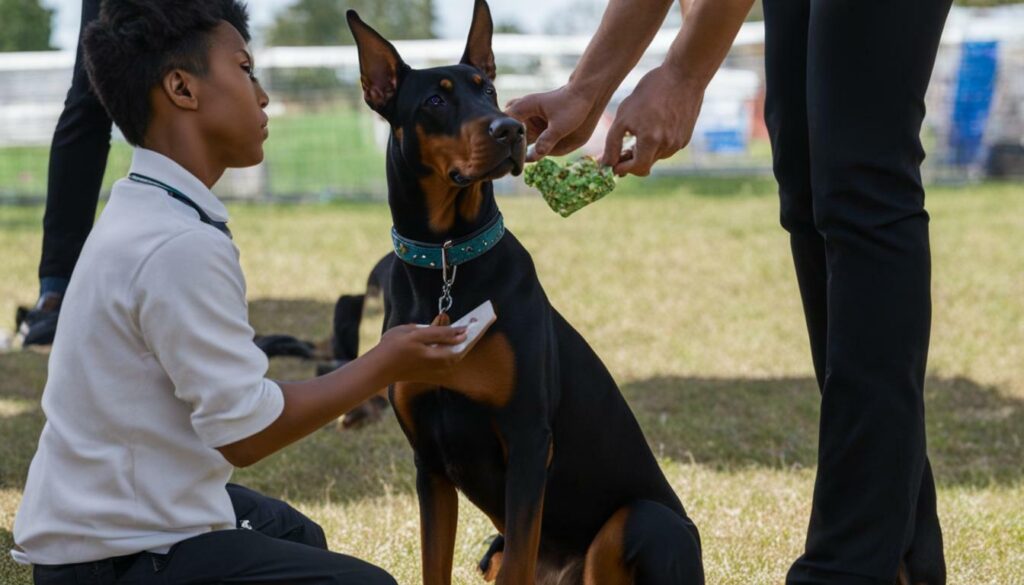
203,217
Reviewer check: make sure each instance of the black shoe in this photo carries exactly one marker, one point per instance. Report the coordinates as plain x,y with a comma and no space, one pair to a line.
38,325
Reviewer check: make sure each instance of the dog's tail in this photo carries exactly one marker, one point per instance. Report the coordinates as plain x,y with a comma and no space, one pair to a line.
350,309
348,314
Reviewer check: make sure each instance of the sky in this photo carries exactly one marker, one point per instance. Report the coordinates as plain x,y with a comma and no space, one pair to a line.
453,15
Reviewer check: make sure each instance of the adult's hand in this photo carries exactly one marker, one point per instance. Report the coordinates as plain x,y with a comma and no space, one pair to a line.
557,122
660,113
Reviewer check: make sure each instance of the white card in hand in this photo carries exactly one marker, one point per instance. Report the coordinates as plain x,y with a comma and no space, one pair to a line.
476,323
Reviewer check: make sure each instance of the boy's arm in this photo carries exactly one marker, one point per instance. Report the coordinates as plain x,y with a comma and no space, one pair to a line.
191,313
405,353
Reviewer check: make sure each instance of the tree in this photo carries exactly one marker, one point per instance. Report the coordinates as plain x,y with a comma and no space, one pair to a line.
25,25
323,23
508,27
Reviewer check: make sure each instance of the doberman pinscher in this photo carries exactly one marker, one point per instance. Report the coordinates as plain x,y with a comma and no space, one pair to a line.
530,426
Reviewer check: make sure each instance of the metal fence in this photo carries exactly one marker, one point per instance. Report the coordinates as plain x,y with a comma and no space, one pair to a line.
326,144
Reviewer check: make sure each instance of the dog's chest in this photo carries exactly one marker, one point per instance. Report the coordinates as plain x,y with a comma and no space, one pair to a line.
462,431
464,440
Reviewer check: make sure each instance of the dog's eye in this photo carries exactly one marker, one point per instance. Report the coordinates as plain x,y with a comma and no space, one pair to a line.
436,101
489,90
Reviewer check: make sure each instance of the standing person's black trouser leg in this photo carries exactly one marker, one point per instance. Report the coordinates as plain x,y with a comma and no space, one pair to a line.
845,102
78,158
274,545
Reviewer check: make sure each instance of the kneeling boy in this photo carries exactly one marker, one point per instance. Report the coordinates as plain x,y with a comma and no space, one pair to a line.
156,390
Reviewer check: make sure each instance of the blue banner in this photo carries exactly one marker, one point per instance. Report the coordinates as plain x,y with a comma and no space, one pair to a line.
975,86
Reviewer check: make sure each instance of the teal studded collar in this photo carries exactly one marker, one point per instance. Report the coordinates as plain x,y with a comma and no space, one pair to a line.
458,251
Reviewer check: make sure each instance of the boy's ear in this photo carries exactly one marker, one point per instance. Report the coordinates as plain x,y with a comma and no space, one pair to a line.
380,66
478,48
179,86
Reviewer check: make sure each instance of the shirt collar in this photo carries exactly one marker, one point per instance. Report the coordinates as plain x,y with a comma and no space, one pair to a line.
157,166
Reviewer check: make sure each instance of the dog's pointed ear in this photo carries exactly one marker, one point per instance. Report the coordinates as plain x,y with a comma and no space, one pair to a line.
478,48
380,66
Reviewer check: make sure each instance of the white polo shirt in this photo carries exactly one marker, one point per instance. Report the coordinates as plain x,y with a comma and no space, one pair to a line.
153,366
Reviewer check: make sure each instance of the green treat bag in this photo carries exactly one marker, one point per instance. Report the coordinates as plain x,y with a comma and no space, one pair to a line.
569,188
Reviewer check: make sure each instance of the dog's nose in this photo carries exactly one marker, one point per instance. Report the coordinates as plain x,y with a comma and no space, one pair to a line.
507,130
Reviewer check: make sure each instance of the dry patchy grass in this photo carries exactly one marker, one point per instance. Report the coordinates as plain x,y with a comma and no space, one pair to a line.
691,301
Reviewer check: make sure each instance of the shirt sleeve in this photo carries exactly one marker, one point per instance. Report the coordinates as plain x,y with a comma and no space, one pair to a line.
192,314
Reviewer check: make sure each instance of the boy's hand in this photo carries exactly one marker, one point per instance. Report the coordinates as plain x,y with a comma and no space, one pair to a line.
412,353
409,353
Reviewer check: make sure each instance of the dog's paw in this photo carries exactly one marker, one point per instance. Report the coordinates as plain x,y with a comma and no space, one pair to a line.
490,565
490,573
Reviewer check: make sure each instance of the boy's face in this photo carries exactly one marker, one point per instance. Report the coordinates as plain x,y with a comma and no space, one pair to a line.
232,101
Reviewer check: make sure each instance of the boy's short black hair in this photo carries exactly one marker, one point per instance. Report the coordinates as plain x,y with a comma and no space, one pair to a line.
135,43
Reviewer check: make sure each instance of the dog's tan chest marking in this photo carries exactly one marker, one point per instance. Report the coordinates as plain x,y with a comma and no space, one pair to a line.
486,376
487,373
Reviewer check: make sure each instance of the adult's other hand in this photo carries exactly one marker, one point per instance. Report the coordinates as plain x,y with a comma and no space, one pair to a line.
660,113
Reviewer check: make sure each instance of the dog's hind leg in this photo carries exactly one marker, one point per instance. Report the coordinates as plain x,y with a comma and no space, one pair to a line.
645,543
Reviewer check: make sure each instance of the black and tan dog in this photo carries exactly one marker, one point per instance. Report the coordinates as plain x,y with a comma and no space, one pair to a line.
530,425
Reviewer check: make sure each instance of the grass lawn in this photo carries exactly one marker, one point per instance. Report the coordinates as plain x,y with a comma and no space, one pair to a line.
23,170
688,295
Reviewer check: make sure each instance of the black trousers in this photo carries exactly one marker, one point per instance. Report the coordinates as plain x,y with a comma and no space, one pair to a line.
78,158
846,81
274,544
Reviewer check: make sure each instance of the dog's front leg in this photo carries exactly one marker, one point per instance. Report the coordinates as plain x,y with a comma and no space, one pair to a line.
439,516
528,458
